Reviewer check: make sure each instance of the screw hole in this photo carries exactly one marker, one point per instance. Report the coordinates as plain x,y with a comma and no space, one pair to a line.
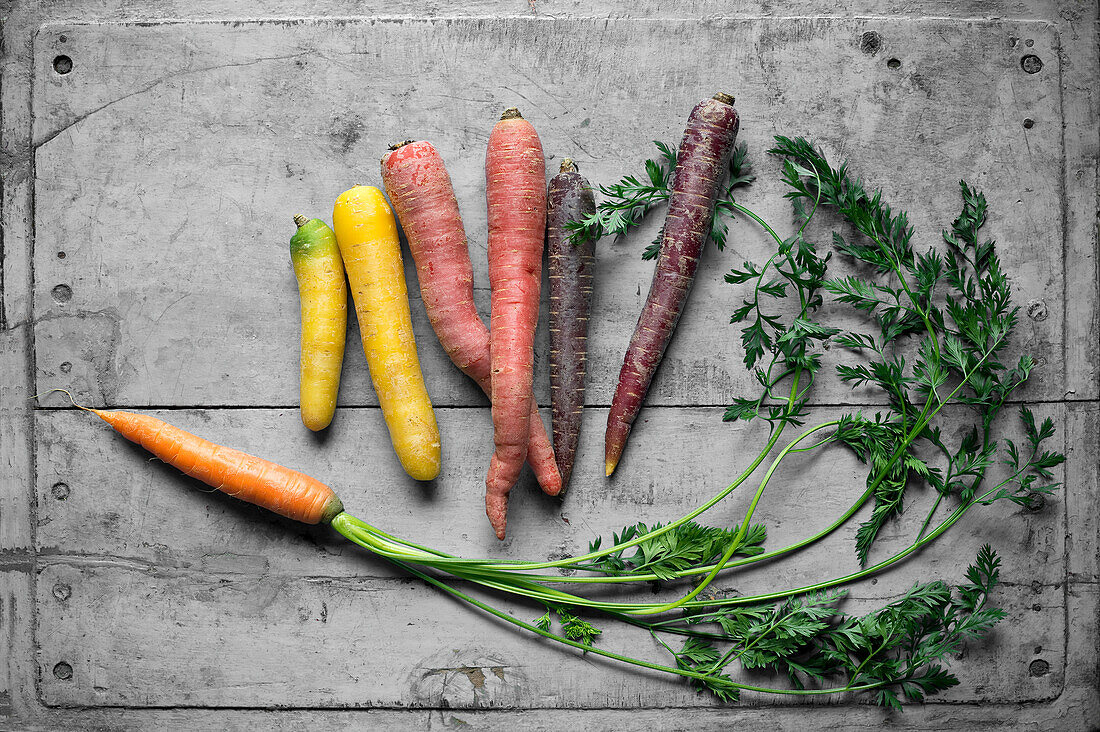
1031,63
61,255
66,367
870,42
60,491
63,671
894,63
62,591
62,294
1029,123
1039,667
62,38
62,64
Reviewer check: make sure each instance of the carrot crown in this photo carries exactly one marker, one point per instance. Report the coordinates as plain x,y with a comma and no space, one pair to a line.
568,166
724,98
511,113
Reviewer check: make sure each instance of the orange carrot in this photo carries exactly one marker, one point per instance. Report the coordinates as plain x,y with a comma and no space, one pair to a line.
262,482
515,190
420,189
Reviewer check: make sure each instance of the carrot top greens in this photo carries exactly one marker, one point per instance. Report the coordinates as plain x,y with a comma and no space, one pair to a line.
626,203
936,328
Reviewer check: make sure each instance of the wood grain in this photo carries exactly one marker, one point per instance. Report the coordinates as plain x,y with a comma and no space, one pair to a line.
164,167
180,290
168,638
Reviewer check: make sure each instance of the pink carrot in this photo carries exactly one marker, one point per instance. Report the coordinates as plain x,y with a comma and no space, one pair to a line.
515,190
700,164
420,190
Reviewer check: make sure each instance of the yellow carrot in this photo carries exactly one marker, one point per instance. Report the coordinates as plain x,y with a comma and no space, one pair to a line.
367,235
324,297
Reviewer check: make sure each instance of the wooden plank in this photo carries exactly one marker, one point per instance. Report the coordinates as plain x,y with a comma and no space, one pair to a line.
284,641
144,539
99,496
254,121
1076,47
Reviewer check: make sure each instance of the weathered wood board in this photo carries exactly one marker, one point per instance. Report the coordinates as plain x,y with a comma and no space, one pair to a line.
181,293
86,507
165,167
172,638
194,560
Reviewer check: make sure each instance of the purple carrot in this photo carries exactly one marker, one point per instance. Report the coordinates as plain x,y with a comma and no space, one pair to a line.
700,165
570,265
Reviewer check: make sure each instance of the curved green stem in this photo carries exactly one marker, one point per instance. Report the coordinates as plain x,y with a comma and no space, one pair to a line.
618,656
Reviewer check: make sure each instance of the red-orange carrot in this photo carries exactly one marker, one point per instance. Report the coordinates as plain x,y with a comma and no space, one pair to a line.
703,157
515,191
420,190
262,482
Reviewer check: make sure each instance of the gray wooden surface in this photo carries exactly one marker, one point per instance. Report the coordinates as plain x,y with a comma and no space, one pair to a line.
165,167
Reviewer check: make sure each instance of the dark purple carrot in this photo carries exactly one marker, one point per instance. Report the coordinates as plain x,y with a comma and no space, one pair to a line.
570,266
700,165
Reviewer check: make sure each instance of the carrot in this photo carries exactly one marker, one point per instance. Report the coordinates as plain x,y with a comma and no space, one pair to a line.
324,298
569,199
367,235
420,190
247,477
515,191
700,164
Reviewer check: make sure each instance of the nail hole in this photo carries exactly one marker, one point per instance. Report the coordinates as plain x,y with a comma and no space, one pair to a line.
62,38
60,491
1029,43
61,255
1038,649
62,294
66,367
62,64
1035,502
894,63
1031,63
1037,607
63,671
1038,667
1029,123
62,591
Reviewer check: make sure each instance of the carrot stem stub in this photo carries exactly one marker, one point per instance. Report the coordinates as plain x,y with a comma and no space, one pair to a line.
700,166
254,480
570,267
515,191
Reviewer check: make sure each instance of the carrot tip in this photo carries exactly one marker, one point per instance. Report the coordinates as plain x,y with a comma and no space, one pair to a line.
609,467
300,220
511,113
724,98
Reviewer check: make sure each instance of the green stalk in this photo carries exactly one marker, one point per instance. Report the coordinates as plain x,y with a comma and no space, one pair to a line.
618,656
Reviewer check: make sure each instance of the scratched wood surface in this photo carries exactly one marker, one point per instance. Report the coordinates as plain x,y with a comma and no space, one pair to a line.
172,555
165,167
181,294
